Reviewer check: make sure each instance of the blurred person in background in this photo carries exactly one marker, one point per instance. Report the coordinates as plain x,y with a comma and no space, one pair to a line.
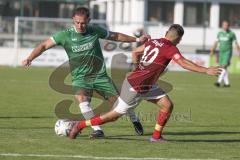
225,39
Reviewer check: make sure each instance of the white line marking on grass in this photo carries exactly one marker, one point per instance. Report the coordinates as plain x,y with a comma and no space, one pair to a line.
89,157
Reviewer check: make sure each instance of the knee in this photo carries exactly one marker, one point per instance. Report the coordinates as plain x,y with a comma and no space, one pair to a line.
168,106
85,107
171,106
81,98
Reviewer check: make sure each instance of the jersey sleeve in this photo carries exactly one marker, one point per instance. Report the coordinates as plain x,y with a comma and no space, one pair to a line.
176,55
102,33
59,38
218,35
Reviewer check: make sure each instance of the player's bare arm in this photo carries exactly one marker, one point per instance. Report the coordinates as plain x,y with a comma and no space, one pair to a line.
213,48
238,47
45,45
137,53
191,66
139,50
120,37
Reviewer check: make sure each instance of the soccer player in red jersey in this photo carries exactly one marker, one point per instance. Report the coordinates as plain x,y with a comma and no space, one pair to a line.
141,83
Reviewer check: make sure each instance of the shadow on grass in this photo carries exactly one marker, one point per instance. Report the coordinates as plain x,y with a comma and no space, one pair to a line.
137,138
185,140
180,140
197,133
209,140
205,126
125,138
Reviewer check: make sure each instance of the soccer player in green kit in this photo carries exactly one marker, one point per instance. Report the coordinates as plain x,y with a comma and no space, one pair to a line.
88,70
225,38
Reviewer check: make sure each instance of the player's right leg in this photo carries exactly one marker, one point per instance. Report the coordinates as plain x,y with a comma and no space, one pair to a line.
98,120
226,76
226,79
120,108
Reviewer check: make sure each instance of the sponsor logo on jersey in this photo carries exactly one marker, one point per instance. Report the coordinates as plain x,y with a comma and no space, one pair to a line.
224,38
74,39
84,47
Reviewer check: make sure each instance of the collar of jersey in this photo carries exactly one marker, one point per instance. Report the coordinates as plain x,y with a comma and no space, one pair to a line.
77,31
225,31
166,41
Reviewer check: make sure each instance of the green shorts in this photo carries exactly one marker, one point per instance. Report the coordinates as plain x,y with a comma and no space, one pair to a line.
103,85
225,58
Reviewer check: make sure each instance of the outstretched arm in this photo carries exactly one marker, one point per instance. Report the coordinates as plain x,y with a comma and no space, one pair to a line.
213,48
49,43
191,66
120,37
238,47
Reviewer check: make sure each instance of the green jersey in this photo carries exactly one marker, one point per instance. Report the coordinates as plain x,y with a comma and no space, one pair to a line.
84,51
225,40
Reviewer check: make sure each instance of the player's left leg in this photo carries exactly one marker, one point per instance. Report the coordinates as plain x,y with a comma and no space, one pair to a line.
226,76
106,88
166,107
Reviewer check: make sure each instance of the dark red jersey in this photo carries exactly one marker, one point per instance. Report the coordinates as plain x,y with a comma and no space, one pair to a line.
157,55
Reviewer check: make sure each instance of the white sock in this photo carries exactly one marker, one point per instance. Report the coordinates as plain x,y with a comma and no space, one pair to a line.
132,115
88,113
221,76
226,79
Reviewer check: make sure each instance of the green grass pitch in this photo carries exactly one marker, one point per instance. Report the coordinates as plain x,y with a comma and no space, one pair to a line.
205,122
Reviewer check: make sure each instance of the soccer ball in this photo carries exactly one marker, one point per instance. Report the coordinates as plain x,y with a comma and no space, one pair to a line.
63,126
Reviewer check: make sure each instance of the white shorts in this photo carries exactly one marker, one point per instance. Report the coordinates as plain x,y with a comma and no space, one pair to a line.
129,98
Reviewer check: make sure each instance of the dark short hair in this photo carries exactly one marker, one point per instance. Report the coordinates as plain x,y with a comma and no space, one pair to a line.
178,28
81,11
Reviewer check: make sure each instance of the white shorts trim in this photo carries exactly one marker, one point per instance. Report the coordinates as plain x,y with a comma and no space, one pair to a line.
155,97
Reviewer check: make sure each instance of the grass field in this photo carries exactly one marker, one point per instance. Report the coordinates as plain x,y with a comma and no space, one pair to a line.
205,122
